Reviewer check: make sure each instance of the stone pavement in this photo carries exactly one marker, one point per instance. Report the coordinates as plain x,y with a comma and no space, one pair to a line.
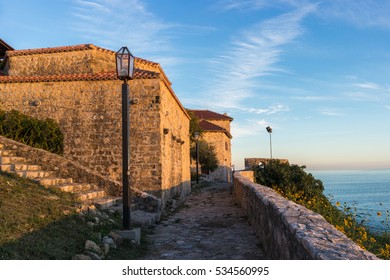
210,225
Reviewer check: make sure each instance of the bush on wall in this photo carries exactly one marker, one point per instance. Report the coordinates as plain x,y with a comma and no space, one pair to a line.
44,134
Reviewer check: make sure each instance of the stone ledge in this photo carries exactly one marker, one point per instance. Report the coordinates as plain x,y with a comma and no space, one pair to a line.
289,230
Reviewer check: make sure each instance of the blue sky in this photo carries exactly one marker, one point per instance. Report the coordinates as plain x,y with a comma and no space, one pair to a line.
317,72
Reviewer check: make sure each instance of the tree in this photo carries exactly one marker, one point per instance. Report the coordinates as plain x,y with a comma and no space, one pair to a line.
207,156
194,126
289,178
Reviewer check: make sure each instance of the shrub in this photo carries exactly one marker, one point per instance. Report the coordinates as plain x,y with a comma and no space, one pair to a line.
44,134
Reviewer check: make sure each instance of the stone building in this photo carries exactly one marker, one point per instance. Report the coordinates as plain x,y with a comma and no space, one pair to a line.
216,129
78,88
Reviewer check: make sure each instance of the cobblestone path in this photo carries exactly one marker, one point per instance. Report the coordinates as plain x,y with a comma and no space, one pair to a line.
210,225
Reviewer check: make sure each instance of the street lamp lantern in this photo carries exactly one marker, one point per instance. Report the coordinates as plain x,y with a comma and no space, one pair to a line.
125,70
124,64
269,130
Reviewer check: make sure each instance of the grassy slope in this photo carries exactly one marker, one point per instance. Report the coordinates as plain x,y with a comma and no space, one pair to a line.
38,223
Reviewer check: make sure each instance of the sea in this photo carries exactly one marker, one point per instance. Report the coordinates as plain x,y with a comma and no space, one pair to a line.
366,192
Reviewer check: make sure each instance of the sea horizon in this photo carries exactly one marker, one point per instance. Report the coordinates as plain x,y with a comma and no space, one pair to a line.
366,192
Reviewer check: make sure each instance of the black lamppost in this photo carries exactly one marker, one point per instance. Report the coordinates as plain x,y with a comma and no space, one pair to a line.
124,71
196,134
269,130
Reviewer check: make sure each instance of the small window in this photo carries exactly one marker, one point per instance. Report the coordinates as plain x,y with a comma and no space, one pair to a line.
226,146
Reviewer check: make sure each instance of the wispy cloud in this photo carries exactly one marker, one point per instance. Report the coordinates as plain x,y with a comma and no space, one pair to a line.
253,53
274,109
362,13
332,112
258,4
115,23
367,86
248,128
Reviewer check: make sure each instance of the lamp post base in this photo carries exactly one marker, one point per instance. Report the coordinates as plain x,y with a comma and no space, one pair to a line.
131,234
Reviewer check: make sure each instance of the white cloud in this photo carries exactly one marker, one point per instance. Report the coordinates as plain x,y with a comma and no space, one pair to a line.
367,86
332,112
115,23
362,13
258,4
248,128
253,53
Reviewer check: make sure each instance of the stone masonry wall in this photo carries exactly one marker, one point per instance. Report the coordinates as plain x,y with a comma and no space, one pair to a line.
290,231
66,168
92,60
249,162
174,130
219,140
88,114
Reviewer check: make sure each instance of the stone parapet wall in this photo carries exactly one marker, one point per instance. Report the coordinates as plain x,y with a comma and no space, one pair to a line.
250,162
290,231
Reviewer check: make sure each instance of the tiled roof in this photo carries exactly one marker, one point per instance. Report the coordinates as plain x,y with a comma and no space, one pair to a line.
210,127
81,47
138,74
210,115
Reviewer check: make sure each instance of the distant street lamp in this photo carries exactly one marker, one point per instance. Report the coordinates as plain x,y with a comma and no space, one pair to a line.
269,130
196,134
125,70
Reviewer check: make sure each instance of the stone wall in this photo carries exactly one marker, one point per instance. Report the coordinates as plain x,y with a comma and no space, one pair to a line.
69,60
88,113
66,168
290,231
175,145
220,141
249,162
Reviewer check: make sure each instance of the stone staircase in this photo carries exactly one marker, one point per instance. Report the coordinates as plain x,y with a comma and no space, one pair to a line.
89,195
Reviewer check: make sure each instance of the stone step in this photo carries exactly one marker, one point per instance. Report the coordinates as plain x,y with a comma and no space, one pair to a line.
74,187
89,195
7,167
10,160
32,174
52,181
26,167
19,167
107,202
1,145
4,152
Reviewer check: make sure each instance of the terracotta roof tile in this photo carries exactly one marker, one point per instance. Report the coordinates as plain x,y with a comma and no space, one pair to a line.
210,127
72,48
55,50
139,74
209,115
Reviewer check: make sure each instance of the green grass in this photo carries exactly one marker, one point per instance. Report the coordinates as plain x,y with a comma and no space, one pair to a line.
38,223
